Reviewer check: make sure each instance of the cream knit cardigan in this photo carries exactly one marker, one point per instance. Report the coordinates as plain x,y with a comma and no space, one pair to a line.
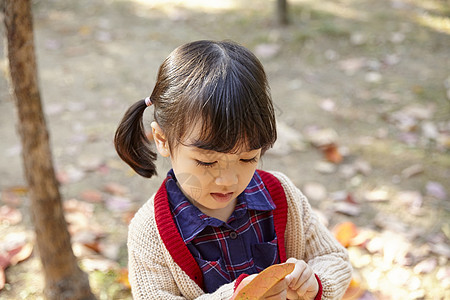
153,274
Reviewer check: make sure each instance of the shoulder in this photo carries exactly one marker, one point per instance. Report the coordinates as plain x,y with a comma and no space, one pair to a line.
142,228
288,186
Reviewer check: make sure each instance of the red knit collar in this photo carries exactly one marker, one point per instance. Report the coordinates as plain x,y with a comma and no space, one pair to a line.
178,249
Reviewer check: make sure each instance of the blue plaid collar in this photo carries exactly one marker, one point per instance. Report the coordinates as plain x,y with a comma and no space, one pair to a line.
191,221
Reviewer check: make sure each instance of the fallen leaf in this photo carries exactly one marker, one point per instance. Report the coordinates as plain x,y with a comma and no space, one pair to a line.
319,137
123,278
92,196
352,65
328,105
98,262
426,266
21,253
347,209
18,190
10,215
363,167
412,171
345,232
314,191
115,189
436,190
332,153
325,167
2,278
256,288
377,195
354,290
118,204
11,199
267,50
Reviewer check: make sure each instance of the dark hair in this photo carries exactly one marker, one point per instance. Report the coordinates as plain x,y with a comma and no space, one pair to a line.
221,84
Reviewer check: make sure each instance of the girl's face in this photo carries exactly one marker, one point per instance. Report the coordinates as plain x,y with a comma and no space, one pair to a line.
212,180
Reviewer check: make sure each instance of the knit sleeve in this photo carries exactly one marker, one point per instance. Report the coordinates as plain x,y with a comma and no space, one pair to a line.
149,275
152,272
311,241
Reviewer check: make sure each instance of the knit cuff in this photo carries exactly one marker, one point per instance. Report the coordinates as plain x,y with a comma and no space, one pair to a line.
319,293
239,280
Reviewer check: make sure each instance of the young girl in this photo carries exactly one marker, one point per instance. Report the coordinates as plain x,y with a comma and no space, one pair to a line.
216,219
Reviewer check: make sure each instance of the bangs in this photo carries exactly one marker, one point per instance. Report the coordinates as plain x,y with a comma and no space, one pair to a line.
234,114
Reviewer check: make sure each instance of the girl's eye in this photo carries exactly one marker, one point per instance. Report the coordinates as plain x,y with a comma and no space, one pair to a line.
250,160
204,164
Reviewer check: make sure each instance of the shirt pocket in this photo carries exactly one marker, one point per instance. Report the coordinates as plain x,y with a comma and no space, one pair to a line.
214,273
265,254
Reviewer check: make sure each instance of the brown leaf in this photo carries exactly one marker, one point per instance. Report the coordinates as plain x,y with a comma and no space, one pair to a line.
123,278
332,153
354,290
115,189
18,190
265,280
92,196
345,232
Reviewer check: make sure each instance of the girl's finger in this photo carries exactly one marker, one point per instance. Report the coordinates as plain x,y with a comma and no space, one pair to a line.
306,275
308,287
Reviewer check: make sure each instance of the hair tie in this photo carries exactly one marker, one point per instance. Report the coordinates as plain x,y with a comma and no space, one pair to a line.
148,101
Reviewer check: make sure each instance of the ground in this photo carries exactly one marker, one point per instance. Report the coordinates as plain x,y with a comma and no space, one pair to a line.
370,80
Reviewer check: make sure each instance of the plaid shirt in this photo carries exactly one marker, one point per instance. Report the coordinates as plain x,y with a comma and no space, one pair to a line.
246,243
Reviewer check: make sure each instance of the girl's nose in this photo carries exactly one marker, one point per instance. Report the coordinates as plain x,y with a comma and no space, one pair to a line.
227,178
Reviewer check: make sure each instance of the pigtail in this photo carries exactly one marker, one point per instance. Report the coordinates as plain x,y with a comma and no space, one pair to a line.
132,144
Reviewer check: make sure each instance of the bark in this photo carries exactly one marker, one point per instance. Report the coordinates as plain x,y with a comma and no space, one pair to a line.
63,277
282,12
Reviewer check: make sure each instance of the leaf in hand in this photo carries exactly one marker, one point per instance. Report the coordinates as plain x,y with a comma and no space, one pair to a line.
265,280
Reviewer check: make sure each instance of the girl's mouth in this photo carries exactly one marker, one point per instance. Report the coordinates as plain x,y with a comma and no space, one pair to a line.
220,197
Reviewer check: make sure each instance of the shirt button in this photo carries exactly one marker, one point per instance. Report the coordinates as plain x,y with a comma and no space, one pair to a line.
233,235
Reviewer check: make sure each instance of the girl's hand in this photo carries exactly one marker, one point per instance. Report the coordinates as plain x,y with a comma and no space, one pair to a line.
301,282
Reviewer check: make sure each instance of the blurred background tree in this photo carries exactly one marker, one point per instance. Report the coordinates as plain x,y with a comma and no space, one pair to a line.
63,278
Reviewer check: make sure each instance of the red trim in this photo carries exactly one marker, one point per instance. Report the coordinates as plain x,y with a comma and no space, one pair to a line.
239,280
319,293
278,195
172,238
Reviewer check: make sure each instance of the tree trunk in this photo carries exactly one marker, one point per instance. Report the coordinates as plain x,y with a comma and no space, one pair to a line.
282,12
63,277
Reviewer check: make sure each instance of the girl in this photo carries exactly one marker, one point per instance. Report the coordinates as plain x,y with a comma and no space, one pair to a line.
216,219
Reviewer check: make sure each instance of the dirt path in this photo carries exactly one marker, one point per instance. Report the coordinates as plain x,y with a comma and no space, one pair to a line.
371,76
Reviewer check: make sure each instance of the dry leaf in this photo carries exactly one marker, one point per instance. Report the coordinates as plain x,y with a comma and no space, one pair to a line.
2,278
332,153
92,196
20,254
115,189
354,290
314,191
345,232
123,278
348,209
265,280
11,215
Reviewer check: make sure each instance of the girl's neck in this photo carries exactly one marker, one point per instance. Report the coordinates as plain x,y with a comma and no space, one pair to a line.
222,214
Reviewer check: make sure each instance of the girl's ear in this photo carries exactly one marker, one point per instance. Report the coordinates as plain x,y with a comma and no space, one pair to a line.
160,140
